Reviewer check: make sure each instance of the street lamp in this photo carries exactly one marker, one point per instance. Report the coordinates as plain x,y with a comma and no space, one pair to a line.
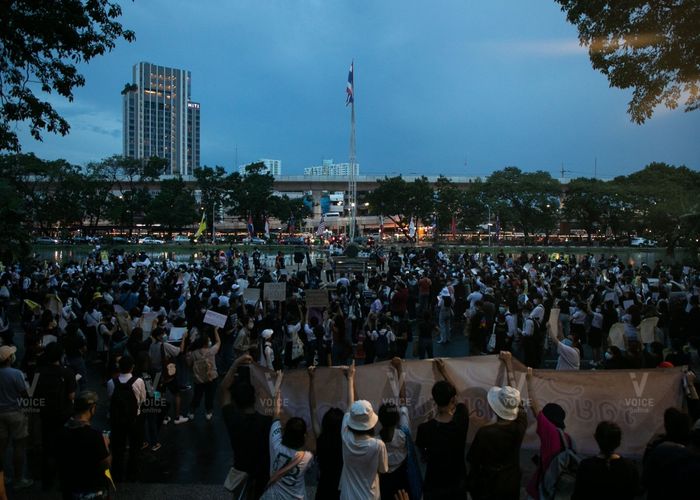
489,224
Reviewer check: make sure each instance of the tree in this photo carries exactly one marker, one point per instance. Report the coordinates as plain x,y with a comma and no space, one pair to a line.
399,200
525,198
128,178
285,208
15,237
251,194
651,47
583,204
42,43
663,197
173,207
213,184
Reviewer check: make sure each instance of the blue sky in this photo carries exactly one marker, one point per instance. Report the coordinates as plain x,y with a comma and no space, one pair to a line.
450,87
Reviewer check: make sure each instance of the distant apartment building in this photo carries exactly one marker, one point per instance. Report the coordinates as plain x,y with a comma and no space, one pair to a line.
160,119
273,167
330,169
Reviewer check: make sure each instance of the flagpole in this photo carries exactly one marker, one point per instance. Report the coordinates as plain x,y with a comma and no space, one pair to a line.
352,187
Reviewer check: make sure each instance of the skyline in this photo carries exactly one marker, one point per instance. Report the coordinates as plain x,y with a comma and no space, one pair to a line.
487,85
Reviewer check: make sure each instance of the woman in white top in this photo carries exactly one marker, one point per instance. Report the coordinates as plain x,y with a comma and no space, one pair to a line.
288,462
364,457
267,353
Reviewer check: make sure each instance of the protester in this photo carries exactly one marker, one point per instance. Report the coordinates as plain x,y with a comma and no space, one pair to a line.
364,457
84,453
550,430
329,445
607,476
202,358
441,442
13,422
494,456
55,388
288,462
248,430
127,393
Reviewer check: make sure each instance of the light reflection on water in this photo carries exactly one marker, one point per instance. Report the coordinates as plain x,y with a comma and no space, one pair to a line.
632,256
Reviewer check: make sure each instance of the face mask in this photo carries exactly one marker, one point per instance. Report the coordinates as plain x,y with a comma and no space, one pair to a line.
608,356
502,310
357,295
250,326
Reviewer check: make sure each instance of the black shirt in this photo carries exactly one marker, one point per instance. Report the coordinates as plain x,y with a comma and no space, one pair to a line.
494,459
442,447
606,479
249,433
54,385
81,453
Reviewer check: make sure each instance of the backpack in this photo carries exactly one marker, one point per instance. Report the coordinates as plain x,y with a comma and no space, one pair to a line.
123,406
381,348
202,369
559,480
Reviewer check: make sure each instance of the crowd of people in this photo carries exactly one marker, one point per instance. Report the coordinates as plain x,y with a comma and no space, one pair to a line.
143,330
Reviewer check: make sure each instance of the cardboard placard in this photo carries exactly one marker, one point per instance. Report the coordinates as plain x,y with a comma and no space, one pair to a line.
147,322
317,298
215,319
176,333
617,335
626,304
275,291
611,296
251,295
119,309
647,330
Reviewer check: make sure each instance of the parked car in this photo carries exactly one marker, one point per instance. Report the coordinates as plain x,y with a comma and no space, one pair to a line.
43,240
254,241
294,240
116,240
182,239
150,240
642,242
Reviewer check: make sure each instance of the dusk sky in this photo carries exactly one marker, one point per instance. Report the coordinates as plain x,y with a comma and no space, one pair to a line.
451,87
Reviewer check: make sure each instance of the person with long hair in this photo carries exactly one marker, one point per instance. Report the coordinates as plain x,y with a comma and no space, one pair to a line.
329,445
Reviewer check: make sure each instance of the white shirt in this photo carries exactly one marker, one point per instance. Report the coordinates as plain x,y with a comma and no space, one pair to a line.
291,485
397,449
364,458
569,358
512,322
139,388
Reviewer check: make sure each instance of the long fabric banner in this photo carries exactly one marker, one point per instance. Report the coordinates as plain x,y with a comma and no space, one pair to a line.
635,400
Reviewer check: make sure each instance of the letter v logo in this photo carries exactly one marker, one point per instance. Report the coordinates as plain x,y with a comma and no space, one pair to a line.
639,386
32,388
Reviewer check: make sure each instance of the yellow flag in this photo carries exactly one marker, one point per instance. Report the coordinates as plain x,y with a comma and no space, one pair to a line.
202,228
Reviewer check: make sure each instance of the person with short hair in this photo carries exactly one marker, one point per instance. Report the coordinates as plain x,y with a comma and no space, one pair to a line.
13,422
607,476
84,452
441,442
127,393
494,456
364,456
288,462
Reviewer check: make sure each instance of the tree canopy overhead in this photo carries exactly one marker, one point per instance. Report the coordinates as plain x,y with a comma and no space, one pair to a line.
650,47
40,45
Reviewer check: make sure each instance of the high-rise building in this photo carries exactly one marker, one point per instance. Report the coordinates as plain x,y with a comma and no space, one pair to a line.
160,119
273,167
330,169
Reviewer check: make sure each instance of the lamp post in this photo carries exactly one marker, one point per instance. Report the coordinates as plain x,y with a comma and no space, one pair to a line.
489,224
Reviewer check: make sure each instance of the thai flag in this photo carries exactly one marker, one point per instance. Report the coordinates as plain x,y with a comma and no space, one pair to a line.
251,229
349,89
267,228
291,225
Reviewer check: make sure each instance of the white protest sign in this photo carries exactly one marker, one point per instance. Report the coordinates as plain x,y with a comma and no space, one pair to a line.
215,319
